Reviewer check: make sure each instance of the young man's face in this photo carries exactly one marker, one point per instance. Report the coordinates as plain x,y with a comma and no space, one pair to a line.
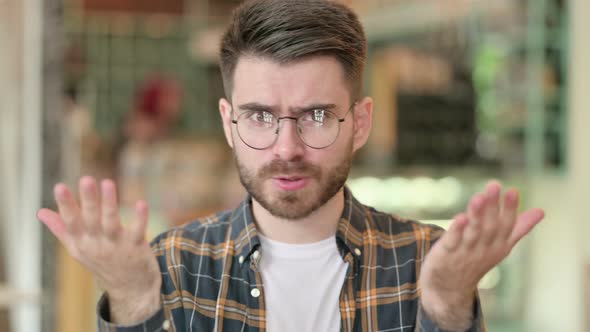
289,178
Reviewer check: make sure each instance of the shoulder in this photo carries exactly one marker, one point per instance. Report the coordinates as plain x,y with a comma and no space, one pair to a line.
393,227
211,230
194,253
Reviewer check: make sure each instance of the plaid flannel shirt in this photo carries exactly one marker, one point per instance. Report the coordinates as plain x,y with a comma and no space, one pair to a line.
211,280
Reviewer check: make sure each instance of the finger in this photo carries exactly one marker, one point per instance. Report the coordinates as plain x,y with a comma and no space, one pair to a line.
509,213
139,226
111,221
525,223
473,230
68,209
54,222
475,210
90,202
451,240
491,212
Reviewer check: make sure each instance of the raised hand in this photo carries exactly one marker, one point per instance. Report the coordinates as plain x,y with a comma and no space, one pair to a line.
476,241
119,257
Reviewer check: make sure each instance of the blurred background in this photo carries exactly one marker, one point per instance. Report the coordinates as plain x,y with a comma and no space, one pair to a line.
465,91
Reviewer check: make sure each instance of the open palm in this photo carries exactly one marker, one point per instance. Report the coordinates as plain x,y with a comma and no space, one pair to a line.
119,257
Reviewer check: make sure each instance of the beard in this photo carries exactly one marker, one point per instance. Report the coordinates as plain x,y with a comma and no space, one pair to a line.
295,205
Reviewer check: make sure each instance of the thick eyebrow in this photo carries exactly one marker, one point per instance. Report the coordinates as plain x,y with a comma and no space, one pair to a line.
267,108
256,107
325,107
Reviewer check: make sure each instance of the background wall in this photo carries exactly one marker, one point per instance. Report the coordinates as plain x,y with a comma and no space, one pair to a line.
558,300
20,151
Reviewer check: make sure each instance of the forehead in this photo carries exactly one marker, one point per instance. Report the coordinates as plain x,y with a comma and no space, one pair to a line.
318,79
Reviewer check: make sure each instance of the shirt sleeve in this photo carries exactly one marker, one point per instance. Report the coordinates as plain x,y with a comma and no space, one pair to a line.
156,323
425,324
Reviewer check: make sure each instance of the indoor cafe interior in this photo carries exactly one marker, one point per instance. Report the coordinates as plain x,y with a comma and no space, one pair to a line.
464,91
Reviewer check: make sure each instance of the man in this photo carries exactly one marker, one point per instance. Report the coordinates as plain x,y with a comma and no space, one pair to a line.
300,253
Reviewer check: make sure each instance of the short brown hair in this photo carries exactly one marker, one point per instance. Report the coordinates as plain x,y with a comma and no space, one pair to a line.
288,30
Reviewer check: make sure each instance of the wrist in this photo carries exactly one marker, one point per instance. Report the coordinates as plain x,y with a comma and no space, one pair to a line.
127,309
450,311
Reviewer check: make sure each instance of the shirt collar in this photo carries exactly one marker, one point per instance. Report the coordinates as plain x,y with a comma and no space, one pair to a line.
349,234
352,225
243,230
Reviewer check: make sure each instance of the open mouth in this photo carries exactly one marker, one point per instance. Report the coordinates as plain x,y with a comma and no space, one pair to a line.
290,183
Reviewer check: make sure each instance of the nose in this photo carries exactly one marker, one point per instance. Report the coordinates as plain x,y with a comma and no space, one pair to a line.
288,145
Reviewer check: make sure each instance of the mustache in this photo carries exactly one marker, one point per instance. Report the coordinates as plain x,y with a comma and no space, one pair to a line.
283,167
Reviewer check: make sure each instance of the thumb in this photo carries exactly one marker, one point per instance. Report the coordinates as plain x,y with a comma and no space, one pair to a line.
54,222
525,223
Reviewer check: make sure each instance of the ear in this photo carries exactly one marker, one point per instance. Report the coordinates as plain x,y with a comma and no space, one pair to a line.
363,121
225,112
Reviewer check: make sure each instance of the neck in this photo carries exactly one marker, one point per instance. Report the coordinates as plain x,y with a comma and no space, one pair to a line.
319,225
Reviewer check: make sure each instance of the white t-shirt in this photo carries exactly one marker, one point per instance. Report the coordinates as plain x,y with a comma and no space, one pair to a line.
302,284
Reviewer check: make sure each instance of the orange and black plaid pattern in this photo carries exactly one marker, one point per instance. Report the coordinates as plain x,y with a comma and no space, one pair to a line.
210,269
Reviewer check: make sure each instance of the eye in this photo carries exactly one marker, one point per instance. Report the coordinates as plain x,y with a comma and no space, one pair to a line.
260,116
317,117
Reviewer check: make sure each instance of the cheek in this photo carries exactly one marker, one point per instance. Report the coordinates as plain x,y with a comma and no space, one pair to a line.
249,158
326,159
341,149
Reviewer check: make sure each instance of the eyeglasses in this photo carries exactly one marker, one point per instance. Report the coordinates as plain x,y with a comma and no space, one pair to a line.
317,128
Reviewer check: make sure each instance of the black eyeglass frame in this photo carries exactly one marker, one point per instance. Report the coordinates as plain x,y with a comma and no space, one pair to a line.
296,119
